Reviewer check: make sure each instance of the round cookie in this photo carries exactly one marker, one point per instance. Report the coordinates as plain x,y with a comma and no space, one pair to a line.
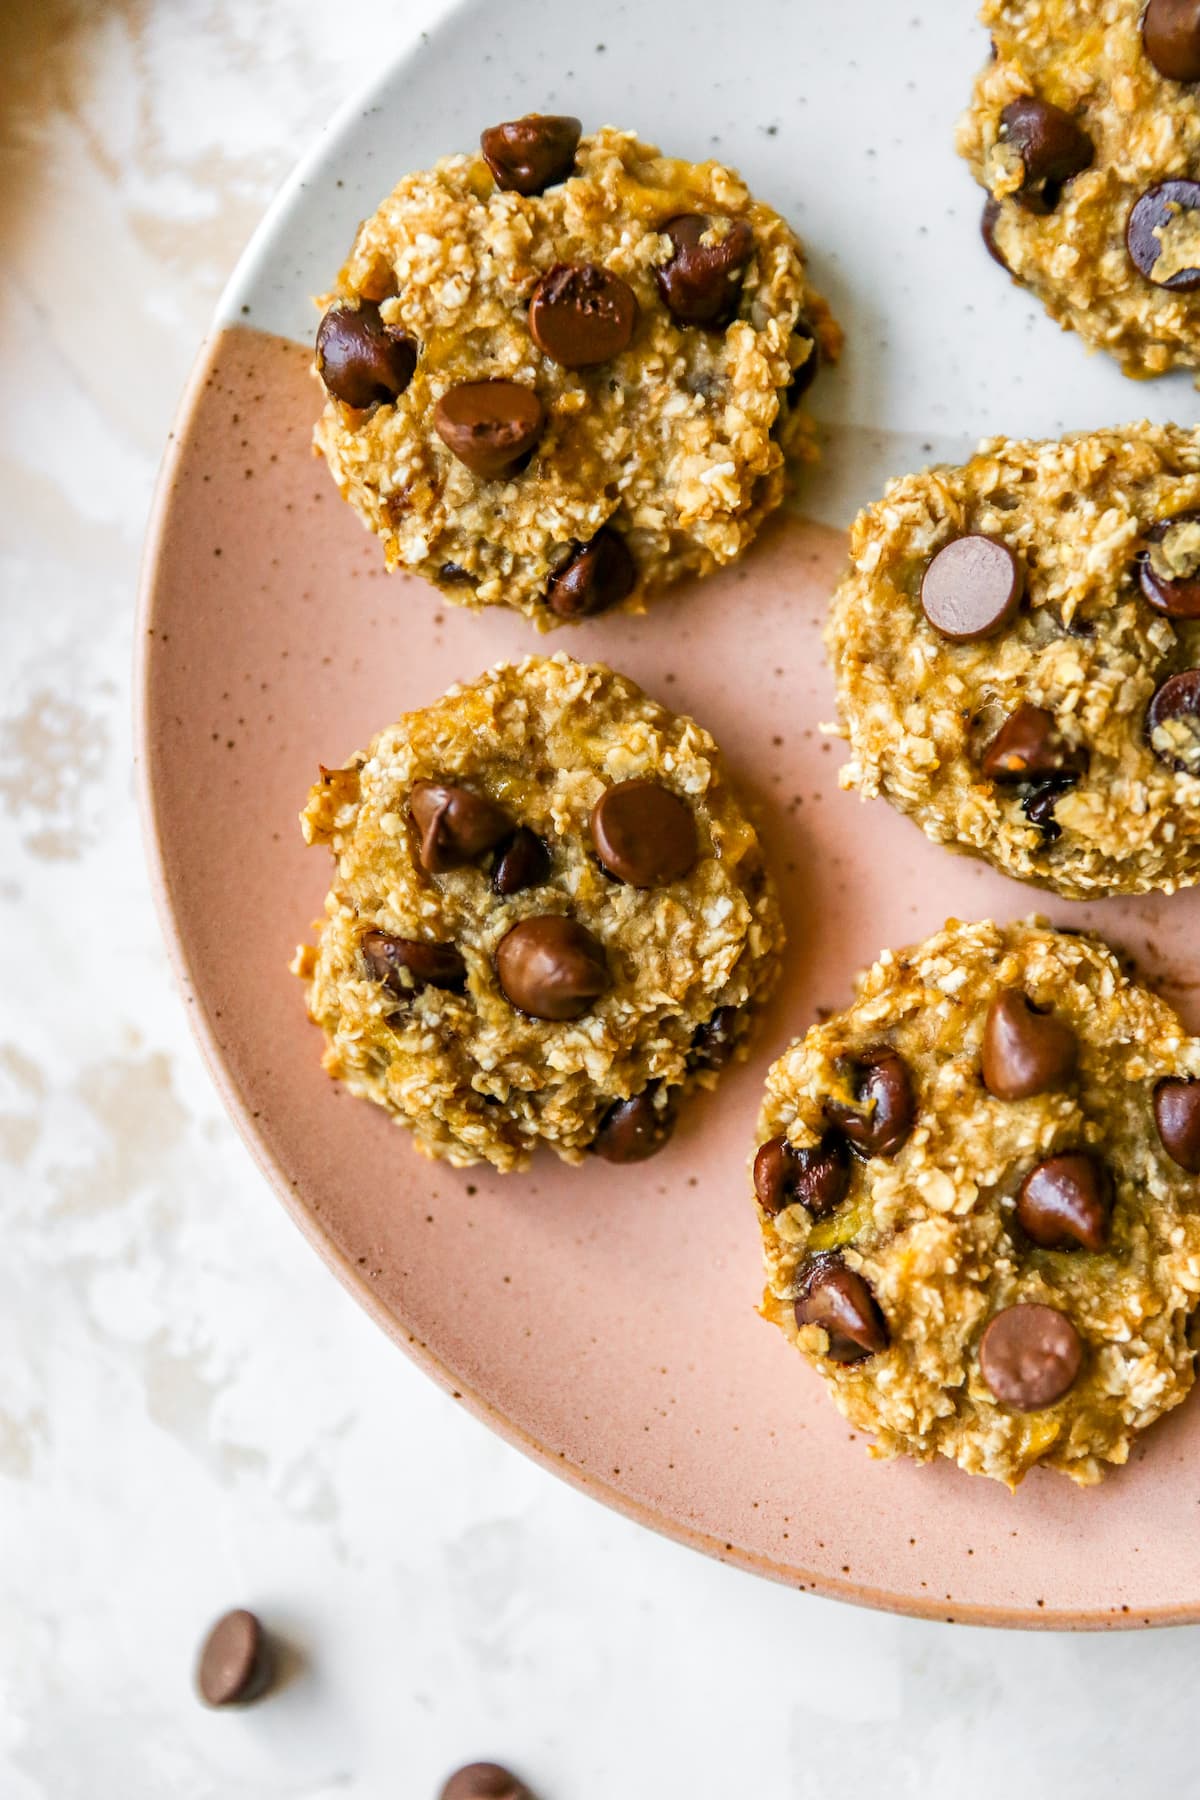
550,917
979,1206
1085,131
1015,647
565,372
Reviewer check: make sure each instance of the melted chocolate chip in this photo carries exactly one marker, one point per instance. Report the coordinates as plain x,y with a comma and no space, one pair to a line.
523,862
362,361
1171,35
1145,231
701,283
1030,747
1026,1051
456,824
1178,597
1039,805
484,1781
644,833
390,959
841,1303
972,588
633,1129
1064,1203
582,314
714,1042
526,156
551,968
1177,1117
1173,722
884,1109
987,230
1030,1356
489,425
1052,146
806,372
597,575
237,1662
816,1176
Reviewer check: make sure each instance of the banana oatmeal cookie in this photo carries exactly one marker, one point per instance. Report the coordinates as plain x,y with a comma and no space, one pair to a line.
979,1205
550,917
1085,131
1016,647
565,371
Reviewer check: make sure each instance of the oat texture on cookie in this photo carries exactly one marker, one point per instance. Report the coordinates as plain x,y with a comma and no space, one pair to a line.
1016,647
565,371
979,1207
1084,129
550,918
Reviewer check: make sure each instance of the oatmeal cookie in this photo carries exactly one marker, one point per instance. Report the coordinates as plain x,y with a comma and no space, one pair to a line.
1015,646
550,917
978,1197
565,371
1085,131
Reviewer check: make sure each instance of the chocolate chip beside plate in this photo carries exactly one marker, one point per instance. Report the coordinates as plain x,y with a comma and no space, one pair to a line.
1173,722
1146,235
1026,1050
237,1662
1177,1116
582,314
841,1303
597,575
484,1781
551,967
1052,146
362,361
884,1109
1171,35
526,156
1029,746
1030,1356
1177,594
523,862
714,1042
816,1176
701,283
489,425
633,1129
644,833
456,824
389,958
972,588
1064,1203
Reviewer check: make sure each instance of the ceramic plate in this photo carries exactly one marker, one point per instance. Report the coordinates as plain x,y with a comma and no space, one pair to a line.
605,1319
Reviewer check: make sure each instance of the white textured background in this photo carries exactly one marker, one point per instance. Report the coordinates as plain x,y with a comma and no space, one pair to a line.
192,1414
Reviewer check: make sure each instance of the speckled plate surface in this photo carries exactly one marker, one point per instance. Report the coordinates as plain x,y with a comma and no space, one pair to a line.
605,1319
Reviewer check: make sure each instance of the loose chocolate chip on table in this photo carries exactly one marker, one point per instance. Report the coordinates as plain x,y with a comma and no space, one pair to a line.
455,823
1173,717
1176,595
427,965
804,376
644,834
237,1662
484,1781
597,575
1177,1116
526,156
581,314
817,1177
1171,34
701,283
523,862
1064,1203
633,1129
1145,231
972,588
841,1303
489,425
1026,1050
713,1042
362,361
884,1109
1030,1356
551,968
1029,746
1051,145
987,230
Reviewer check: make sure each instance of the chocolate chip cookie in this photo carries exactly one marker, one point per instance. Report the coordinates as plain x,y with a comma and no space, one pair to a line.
978,1202
550,918
1085,131
1016,648
565,371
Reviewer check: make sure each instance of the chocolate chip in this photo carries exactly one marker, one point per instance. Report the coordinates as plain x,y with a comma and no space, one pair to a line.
1051,145
390,958
972,588
1173,722
581,314
1038,806
551,968
237,1662
987,230
644,833
456,824
452,571
633,1129
884,1110
526,156
1026,1050
484,1781
806,373
841,1303
1152,214
362,361
1176,595
1029,746
1030,1356
1064,1203
489,425
1171,34
714,1042
816,1176
523,862
701,283
597,575
1177,1116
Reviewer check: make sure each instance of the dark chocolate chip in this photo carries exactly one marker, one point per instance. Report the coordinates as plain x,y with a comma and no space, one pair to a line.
1178,595
884,1109
633,1129
523,862
1177,1116
1052,146
1030,1356
987,230
452,571
972,588
489,425
702,282
1064,1203
644,833
582,314
551,968
237,1661
841,1303
806,372
1026,1050
1151,214
390,958
714,1042
1171,34
1029,747
815,1176
597,575
1173,718
456,824
1039,805
526,156
362,361
484,1781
